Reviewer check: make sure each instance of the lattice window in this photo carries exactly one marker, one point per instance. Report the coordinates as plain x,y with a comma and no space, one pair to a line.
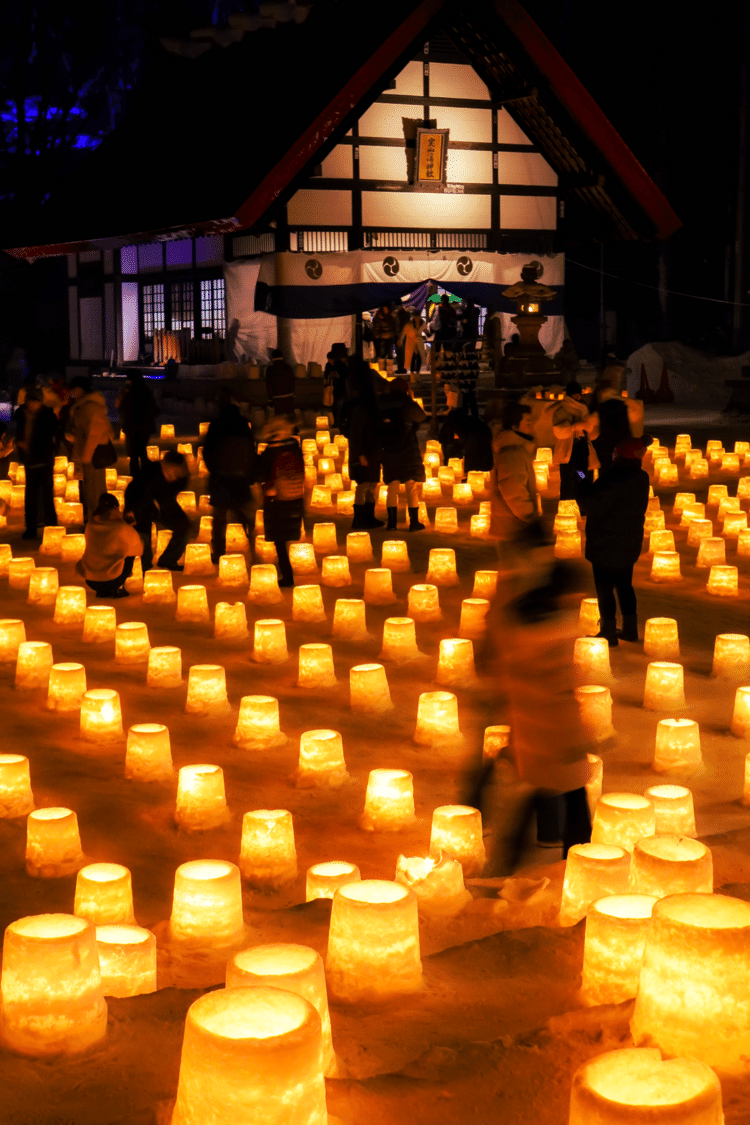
397,239
245,245
183,306
213,308
152,308
461,240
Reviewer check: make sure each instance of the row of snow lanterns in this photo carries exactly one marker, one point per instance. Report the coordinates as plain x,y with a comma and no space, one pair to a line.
697,467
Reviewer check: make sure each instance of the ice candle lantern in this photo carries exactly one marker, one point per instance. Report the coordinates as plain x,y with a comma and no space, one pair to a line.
148,755
678,745
230,621
268,855
591,872
302,558
101,716
671,865
457,833
621,819
232,571
591,660
53,843
731,657
389,801
359,547
349,621
324,879
67,683
673,809
335,571
437,719
316,666
660,638
258,723
164,668
132,645
192,605
19,572
456,662
321,759
723,581
127,958
665,686
43,585
157,587
12,635
207,905
595,707
33,664
666,567
424,603
104,894
307,604
99,624
264,585
201,799
16,798
368,688
441,567
207,689
616,929
399,640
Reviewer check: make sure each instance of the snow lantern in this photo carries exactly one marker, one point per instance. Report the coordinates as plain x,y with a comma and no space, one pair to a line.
359,546
43,585
53,843
132,643
373,942
73,546
665,686
616,929
441,567
661,639
698,530
661,541
437,883
321,759
722,581
588,617
437,718
164,666
457,833
654,522
12,634
479,526
394,556
345,503
446,520
671,865
320,497
302,558
104,894
389,801
67,683
269,645
230,621
205,530
207,688
324,538
678,745
591,872
668,474
496,738
473,621
541,475
673,809
432,489
378,587
16,798
232,571
734,523
456,662
207,904
399,640
666,567
186,500
268,856
730,464
335,571
153,452
568,545
595,708
741,716
198,559
258,722
167,431
148,755
157,587
324,879
19,573
316,666
424,603
307,604
99,624
349,619
264,585
731,656
127,959
475,481
621,819
52,999
591,660
681,499
201,799
101,715
368,688
716,492
33,664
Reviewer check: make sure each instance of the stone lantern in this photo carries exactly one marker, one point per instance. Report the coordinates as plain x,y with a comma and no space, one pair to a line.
526,363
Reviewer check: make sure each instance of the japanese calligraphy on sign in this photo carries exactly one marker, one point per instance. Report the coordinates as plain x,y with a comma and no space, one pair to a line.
432,146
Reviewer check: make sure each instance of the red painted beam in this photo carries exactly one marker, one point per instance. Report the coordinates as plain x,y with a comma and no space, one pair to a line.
579,103
357,88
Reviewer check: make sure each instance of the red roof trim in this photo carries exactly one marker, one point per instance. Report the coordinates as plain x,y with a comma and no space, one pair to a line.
579,103
269,189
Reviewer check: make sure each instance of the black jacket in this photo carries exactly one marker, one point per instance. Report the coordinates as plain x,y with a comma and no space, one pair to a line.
151,491
282,460
229,453
43,427
400,417
615,509
363,430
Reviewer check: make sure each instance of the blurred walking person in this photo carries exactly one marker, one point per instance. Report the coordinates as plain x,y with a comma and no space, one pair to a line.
152,498
89,429
138,413
281,471
400,418
36,441
360,419
229,453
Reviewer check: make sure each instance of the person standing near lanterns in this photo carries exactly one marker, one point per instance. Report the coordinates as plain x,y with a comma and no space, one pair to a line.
384,331
89,428
513,506
152,498
573,452
360,421
400,418
138,414
229,453
36,438
280,384
111,548
615,509
281,471
412,341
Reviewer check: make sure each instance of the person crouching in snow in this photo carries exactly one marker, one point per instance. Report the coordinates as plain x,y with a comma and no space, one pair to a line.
111,548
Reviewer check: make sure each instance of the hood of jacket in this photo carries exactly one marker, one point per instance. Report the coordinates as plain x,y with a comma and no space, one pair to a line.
505,439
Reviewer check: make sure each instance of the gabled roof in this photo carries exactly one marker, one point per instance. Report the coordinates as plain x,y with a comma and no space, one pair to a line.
214,143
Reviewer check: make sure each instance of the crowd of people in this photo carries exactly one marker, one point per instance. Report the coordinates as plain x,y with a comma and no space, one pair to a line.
402,332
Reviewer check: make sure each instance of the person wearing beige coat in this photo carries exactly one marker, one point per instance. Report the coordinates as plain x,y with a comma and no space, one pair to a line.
513,504
88,427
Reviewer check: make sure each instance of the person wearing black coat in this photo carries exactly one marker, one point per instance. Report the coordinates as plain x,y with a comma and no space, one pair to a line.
359,419
400,418
463,436
229,453
614,427
281,471
36,440
152,498
138,413
615,509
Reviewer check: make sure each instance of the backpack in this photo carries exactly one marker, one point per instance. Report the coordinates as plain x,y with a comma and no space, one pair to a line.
235,456
393,429
288,475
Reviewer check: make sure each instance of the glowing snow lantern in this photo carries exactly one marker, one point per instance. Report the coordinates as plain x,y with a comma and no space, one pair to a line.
437,883
99,624
349,620
399,640
731,656
595,708
12,634
270,642
389,801
207,689
359,546
666,567
711,552
335,571
462,495
321,760
52,538
192,604
307,604
475,481
67,683
104,894
51,986
742,447
368,688
294,968
186,500
72,491
101,716
311,476
654,522
167,432
321,495
302,558
592,871
16,798
616,929
485,584
395,556
457,833
564,523
148,756
70,605
53,843
316,666
743,488
723,581
262,1048
541,475
565,507
668,474
699,468
268,856
621,819
264,585
6,554
699,530
164,667
153,452
591,660
230,621
132,645
437,719
665,686
446,520
730,464
568,545
661,541
660,638
157,587
232,571
373,942
741,717
671,865
127,959
198,559
324,879
694,979
201,798
673,809
479,527
207,905
634,1085
728,505
18,498
324,538
446,477
441,568
734,523
33,664
678,745
19,572
432,489
424,603
205,531
378,588
456,662
345,503
496,738
681,499
473,622
258,722
716,493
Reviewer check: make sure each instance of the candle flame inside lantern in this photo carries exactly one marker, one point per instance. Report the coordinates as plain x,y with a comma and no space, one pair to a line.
389,801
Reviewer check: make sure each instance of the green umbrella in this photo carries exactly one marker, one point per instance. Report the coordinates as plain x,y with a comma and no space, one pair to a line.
437,297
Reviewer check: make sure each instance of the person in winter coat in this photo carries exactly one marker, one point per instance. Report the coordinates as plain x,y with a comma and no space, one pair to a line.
400,418
384,331
88,427
615,509
611,426
152,498
513,504
111,549
573,452
463,436
280,384
444,323
36,441
281,471
229,453
138,414
362,427
412,342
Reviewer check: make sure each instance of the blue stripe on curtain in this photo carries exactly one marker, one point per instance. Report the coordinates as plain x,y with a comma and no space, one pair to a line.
311,302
